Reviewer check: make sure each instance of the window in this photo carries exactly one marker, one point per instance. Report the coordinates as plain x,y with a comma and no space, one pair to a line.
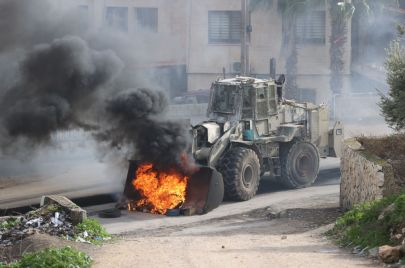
117,18
224,27
272,100
146,18
262,104
247,97
310,28
224,99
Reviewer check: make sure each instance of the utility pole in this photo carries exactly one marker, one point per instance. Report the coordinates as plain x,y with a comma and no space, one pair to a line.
244,47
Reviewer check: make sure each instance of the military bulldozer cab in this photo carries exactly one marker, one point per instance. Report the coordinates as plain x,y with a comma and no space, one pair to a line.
252,130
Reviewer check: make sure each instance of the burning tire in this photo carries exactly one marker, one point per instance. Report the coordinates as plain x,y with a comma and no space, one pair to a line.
299,164
240,169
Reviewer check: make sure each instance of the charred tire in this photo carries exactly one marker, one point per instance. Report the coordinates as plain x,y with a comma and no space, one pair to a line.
240,168
299,164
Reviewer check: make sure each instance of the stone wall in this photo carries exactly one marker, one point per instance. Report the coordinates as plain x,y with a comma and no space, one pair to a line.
364,177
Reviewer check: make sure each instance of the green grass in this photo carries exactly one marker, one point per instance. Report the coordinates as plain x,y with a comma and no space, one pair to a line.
96,232
52,258
361,227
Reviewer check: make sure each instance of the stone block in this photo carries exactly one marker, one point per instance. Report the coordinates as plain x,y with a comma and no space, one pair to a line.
76,213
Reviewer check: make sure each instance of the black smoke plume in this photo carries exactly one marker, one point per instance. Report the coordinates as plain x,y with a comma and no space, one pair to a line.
57,85
61,78
135,122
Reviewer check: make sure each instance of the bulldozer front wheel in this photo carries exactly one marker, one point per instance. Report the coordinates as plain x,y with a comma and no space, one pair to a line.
299,164
240,168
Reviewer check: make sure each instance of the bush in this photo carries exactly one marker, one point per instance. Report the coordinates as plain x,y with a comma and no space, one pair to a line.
52,258
10,223
96,232
361,226
393,105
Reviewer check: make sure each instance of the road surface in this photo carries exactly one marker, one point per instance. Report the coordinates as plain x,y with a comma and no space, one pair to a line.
277,228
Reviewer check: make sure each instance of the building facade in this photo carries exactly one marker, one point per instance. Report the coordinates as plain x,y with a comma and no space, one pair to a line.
196,41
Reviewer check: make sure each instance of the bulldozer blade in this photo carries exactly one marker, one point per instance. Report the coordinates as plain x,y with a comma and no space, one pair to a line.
204,192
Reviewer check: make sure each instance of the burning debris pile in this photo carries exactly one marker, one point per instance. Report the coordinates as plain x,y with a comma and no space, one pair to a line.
172,192
159,190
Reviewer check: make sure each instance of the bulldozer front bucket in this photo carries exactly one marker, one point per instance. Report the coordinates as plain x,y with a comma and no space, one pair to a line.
204,192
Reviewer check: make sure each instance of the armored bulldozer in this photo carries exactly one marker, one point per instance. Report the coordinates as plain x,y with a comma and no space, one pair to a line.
252,130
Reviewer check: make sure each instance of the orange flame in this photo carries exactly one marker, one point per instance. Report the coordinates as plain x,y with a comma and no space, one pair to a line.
160,190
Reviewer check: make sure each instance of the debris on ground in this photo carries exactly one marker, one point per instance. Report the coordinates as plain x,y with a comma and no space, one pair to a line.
50,219
58,216
76,213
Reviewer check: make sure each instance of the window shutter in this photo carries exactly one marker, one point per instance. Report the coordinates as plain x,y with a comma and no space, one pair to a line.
224,26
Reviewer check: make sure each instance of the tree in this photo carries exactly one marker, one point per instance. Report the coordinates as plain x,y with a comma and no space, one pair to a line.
340,13
290,10
393,105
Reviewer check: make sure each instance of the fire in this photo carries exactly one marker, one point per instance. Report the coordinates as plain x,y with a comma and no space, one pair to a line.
160,190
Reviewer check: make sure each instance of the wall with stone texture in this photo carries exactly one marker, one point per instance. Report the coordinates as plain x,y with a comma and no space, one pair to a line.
364,177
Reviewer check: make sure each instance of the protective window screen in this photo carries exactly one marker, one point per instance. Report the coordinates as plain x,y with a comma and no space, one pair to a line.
272,100
146,19
310,27
262,103
247,108
224,27
117,18
224,99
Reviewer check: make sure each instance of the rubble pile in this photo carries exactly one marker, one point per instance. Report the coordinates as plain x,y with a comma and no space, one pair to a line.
57,216
51,219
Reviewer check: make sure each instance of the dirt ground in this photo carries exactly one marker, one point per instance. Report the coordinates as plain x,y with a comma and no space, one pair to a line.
260,238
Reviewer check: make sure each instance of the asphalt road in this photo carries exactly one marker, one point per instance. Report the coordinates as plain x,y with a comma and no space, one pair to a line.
277,228
270,194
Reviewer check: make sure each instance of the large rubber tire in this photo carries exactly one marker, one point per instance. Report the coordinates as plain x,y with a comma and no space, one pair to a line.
299,164
240,168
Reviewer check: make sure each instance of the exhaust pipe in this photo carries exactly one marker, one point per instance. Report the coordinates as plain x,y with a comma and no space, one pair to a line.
204,191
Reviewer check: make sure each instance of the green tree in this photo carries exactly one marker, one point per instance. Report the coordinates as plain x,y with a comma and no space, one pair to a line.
393,105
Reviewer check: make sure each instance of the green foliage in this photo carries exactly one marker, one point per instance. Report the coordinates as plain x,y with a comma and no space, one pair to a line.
360,226
9,223
96,232
393,105
52,258
45,210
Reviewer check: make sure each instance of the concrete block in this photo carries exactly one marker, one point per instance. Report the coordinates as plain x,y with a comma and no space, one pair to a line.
76,213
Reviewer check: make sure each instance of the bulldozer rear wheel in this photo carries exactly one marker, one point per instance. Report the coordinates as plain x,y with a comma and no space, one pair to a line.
240,168
299,164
